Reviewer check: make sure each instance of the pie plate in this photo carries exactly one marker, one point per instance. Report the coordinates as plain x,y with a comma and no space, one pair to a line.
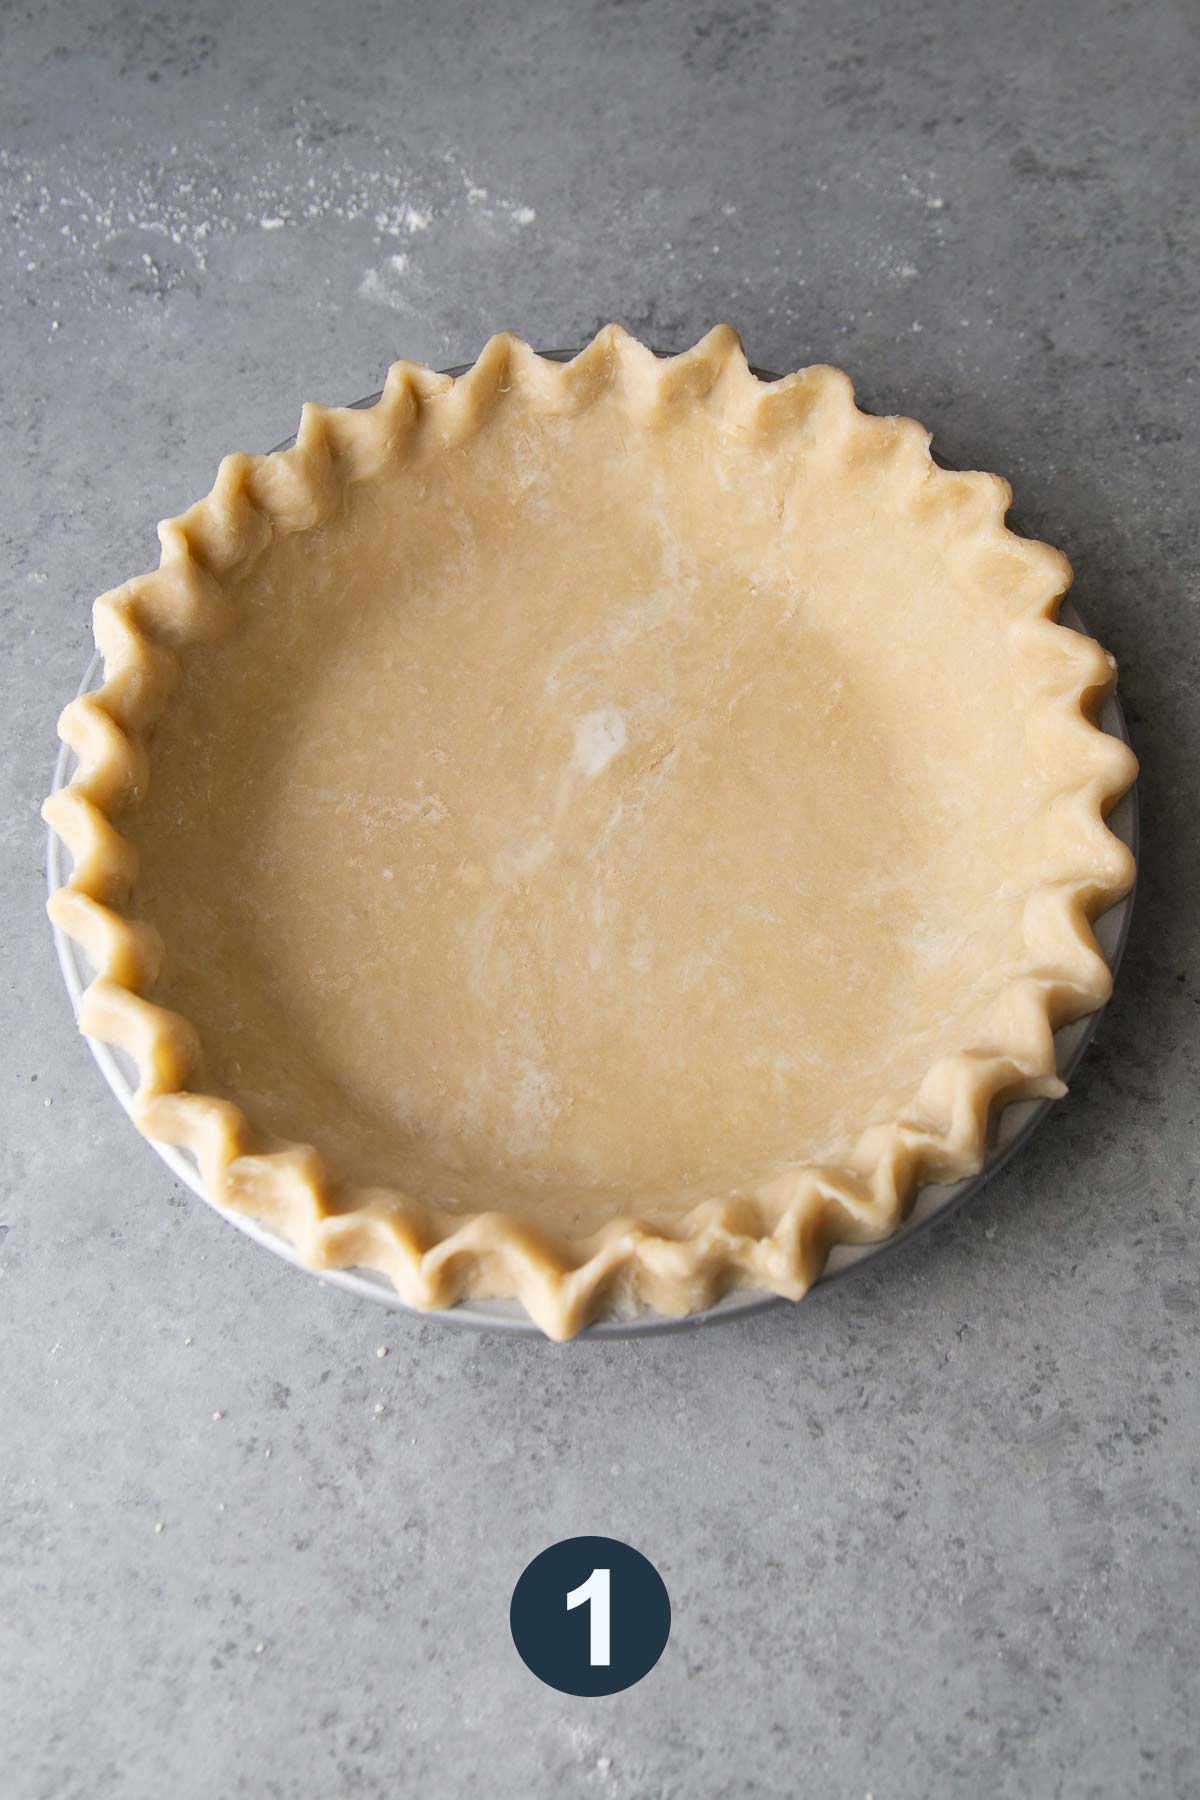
1013,1126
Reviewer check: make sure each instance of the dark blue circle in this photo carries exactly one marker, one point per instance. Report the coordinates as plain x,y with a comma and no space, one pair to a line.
556,1642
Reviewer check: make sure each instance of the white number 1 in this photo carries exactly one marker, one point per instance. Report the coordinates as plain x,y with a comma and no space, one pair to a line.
593,1593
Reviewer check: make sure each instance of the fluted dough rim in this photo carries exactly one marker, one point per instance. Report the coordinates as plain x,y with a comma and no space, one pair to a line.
777,1238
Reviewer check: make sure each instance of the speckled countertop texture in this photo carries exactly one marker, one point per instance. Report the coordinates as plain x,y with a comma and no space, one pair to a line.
933,1532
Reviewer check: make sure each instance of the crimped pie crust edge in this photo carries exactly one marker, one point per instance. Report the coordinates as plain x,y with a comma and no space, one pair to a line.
776,1239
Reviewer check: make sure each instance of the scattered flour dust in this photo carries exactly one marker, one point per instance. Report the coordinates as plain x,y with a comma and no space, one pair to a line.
381,284
386,285
535,1107
126,225
599,736
915,191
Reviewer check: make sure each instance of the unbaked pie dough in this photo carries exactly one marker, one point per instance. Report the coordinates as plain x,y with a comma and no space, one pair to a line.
597,832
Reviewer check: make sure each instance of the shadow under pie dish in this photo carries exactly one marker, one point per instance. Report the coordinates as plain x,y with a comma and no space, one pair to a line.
591,832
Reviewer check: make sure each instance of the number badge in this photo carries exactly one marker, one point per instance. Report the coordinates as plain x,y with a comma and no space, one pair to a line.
590,1616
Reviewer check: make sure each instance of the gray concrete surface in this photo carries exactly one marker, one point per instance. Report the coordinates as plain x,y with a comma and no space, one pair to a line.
934,1532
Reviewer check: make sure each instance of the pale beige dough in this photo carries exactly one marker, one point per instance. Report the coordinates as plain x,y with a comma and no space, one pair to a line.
605,809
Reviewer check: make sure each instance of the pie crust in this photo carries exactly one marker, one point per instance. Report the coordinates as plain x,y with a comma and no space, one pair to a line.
616,828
